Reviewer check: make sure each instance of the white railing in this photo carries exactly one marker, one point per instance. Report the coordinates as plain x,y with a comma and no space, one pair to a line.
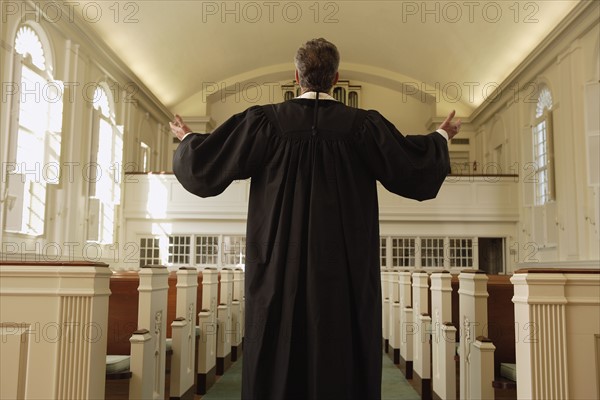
466,198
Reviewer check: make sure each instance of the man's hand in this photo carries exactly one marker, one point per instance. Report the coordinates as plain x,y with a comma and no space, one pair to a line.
450,127
179,128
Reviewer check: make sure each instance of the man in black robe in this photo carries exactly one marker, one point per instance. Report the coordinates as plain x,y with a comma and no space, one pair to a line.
312,285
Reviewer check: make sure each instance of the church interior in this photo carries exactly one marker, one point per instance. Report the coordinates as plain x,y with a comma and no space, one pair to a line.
109,268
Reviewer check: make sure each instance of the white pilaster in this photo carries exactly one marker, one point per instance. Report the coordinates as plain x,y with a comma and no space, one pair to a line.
441,313
208,322
184,340
445,365
141,365
385,320
152,315
420,288
473,319
223,337
405,296
182,360
238,294
394,316
52,329
541,347
482,362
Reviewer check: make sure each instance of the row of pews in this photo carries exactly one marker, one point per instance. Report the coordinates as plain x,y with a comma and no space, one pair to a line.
76,330
428,325
452,336
202,338
463,336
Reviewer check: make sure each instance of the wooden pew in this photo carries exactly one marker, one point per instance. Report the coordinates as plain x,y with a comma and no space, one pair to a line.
123,308
500,329
122,311
501,318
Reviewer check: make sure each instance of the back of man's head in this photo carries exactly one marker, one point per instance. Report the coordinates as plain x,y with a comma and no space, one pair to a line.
317,62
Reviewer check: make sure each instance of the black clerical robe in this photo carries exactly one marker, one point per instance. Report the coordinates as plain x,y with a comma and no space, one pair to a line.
312,283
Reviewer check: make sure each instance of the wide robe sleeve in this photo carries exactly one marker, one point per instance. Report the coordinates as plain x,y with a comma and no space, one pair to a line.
205,164
410,166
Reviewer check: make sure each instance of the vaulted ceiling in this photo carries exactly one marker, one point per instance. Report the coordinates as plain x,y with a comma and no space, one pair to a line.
179,47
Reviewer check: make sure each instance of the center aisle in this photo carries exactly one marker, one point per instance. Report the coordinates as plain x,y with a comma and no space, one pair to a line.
393,385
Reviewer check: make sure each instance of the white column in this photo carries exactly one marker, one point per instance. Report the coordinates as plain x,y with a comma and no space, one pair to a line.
473,323
425,355
210,289
238,284
238,294
223,338
446,364
236,337
385,320
441,314
226,286
182,361
226,297
420,307
141,365
53,329
405,296
541,345
482,361
207,355
394,317
152,315
408,333
184,341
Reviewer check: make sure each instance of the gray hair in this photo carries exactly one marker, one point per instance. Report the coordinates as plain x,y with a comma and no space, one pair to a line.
317,61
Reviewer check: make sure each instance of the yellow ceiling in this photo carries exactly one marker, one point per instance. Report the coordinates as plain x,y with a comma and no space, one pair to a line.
178,47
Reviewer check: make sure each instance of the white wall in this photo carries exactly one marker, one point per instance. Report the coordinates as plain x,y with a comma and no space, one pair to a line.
565,67
80,61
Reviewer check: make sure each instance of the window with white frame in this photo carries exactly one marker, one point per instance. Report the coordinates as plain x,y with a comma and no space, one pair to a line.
179,249
104,169
543,152
149,251
200,250
403,252
382,252
432,252
207,250
233,249
460,252
38,135
145,152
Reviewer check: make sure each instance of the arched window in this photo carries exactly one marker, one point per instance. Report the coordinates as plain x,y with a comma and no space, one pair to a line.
36,141
339,93
353,99
105,168
543,151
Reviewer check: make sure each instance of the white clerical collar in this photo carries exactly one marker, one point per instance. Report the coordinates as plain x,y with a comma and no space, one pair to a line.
312,95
